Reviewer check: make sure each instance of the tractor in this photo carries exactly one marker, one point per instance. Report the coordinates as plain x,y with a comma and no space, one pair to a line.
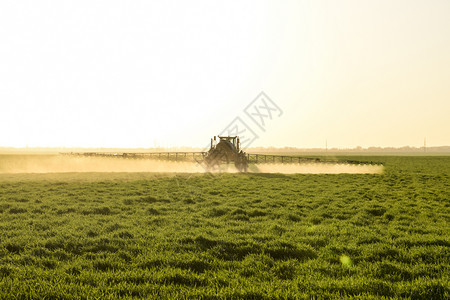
225,151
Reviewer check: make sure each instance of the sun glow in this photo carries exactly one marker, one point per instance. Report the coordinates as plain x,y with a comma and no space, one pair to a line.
163,73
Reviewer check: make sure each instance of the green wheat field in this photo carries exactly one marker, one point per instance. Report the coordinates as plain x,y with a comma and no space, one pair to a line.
228,236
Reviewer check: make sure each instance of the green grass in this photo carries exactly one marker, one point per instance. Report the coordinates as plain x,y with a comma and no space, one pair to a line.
228,236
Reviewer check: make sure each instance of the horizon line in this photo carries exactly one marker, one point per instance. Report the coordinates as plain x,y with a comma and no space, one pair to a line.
358,148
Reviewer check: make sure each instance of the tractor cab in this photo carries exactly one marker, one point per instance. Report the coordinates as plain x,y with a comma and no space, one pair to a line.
230,142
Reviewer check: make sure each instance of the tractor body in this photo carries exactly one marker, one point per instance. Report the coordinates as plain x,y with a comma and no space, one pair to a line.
226,150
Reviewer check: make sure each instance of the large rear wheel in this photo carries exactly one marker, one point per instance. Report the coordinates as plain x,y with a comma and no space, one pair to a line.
241,164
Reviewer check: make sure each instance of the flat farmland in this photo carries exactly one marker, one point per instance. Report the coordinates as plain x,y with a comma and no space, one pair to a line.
228,235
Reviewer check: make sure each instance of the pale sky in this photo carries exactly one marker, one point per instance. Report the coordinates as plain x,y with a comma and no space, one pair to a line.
174,73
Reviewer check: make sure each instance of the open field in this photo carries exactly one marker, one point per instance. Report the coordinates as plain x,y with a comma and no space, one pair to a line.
228,236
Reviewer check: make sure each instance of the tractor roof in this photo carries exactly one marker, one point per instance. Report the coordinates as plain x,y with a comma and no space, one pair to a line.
227,137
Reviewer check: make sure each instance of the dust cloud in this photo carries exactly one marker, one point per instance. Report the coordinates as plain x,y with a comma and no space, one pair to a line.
317,168
64,164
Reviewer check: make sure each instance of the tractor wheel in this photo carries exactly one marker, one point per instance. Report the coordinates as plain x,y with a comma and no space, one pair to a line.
241,166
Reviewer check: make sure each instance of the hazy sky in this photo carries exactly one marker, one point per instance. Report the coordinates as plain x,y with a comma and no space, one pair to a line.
174,73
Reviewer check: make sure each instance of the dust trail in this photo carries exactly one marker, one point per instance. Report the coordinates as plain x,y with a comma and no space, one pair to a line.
63,164
317,168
